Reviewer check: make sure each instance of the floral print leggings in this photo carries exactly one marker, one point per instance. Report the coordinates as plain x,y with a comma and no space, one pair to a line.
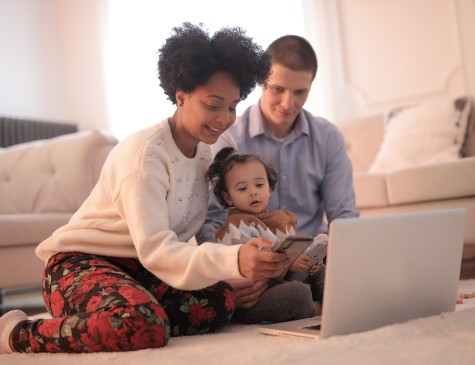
114,304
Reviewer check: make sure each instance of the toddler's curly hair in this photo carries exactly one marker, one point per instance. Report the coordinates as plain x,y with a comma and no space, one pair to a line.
190,56
224,160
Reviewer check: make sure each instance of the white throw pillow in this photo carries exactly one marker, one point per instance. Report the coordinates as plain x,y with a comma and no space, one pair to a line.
423,134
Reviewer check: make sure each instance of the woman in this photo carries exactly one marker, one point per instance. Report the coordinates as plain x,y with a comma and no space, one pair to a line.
120,275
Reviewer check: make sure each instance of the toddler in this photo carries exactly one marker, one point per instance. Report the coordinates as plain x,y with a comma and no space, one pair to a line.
245,183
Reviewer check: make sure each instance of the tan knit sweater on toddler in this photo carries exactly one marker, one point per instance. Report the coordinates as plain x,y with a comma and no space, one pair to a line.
239,223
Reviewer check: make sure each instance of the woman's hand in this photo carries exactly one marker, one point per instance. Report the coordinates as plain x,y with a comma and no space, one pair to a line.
302,263
248,291
256,260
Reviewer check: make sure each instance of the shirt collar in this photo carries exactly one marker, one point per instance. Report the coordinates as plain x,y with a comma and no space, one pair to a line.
259,125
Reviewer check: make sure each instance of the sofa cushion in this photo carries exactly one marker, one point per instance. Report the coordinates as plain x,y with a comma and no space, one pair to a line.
427,133
441,181
370,190
54,175
448,180
29,229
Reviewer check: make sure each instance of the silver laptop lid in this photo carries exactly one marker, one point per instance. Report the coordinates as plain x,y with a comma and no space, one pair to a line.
387,269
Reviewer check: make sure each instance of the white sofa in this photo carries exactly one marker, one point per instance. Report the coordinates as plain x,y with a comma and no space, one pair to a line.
42,183
431,186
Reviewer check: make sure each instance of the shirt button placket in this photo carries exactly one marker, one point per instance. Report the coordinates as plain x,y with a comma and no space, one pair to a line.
284,178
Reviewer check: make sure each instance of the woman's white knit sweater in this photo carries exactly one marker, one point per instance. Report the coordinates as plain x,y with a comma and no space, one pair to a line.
150,199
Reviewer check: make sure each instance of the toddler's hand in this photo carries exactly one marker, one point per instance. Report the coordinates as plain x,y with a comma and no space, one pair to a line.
302,263
315,267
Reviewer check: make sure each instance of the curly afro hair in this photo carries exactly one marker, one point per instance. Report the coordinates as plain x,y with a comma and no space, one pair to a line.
190,57
224,160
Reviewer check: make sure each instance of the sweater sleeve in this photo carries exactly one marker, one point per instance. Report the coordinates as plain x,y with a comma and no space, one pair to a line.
182,265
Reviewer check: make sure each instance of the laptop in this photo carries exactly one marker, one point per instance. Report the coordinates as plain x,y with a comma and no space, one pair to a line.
384,270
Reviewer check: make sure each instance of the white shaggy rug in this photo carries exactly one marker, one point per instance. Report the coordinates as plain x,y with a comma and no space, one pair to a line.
448,338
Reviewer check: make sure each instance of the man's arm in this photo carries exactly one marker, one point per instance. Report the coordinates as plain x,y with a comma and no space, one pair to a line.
337,188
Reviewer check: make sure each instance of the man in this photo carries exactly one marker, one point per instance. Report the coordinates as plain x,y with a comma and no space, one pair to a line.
314,172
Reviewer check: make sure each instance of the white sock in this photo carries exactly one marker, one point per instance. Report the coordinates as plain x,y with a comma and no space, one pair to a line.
7,323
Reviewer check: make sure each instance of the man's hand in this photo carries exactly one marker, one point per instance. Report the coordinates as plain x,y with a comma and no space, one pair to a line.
248,291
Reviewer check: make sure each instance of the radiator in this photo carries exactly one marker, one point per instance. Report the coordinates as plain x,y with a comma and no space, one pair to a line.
14,131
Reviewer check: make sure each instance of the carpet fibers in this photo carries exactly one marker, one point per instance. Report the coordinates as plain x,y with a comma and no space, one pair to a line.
447,338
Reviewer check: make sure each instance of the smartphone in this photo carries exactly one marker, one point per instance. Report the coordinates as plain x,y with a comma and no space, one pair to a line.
318,249
317,252
294,246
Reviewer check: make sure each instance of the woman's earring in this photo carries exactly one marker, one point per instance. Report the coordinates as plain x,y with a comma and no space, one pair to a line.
180,103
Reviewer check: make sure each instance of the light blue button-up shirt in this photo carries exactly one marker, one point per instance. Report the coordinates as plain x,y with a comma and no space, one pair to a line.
315,177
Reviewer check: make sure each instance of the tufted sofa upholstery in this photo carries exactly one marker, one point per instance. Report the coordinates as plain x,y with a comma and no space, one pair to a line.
42,183
434,186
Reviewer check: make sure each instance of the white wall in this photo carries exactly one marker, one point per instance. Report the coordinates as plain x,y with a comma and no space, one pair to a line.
51,61
32,82
373,54
78,31
383,53
82,23
138,28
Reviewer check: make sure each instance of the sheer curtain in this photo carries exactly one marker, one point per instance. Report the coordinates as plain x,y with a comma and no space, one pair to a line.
137,29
